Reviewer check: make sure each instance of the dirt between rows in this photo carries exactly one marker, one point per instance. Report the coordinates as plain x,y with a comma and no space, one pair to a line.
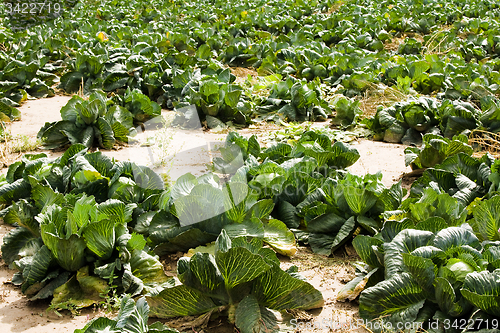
176,152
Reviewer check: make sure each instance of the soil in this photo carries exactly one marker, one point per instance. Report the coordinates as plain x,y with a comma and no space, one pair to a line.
184,151
35,113
387,158
242,73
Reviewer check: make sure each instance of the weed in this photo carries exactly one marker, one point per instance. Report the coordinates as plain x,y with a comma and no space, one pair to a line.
161,150
380,94
12,147
484,141
72,308
440,42
335,7
23,144
167,180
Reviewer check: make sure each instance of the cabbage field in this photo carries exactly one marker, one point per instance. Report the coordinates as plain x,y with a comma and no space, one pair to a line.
86,229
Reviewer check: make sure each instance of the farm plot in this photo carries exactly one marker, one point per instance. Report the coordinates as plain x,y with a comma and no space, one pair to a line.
198,215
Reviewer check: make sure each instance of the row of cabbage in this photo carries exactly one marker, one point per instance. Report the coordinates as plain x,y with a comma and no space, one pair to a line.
435,260
175,53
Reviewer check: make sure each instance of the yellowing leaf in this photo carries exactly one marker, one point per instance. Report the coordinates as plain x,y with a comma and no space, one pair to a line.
101,36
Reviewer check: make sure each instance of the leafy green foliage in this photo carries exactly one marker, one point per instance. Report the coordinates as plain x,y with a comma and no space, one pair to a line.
309,188
176,54
241,279
406,122
196,210
293,100
481,289
424,269
410,46
80,236
462,176
435,149
216,95
97,121
429,248
133,317
400,120
72,238
85,72
344,204
484,219
347,111
315,147
165,59
19,79
235,152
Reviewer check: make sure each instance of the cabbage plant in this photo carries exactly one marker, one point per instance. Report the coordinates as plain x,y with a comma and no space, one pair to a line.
242,280
87,122
72,226
435,149
75,247
195,211
430,275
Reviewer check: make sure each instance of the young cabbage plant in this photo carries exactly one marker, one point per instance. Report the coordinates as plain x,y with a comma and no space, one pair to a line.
324,209
196,210
405,121
20,80
216,95
462,176
140,106
75,247
85,69
347,111
435,149
294,100
341,205
431,273
87,122
243,280
66,238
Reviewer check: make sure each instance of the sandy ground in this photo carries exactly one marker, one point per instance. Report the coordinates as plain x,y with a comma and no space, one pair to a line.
35,113
176,152
173,151
386,157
